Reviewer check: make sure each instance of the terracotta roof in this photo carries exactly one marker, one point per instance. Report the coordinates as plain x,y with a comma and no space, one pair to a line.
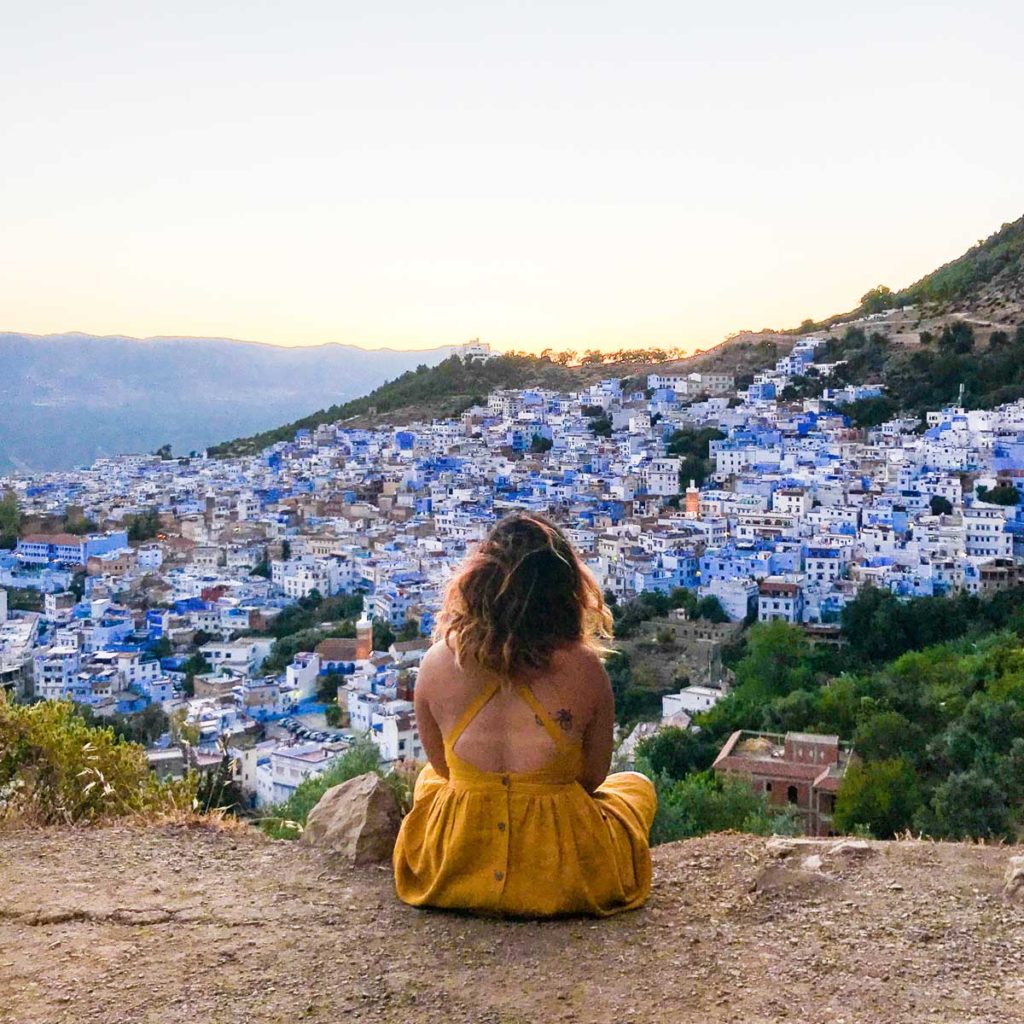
52,538
337,649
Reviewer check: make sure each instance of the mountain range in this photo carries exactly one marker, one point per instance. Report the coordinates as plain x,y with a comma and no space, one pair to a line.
68,398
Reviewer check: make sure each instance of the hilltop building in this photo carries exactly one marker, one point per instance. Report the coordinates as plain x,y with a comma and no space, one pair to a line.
802,770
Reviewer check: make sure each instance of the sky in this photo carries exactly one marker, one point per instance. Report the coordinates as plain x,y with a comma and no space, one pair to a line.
536,174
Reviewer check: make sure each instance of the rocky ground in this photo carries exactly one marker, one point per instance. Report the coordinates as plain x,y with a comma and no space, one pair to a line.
176,925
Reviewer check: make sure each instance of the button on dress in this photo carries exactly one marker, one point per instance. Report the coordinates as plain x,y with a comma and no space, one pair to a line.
525,844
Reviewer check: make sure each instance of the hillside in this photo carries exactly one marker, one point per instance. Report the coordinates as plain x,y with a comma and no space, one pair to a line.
69,398
443,390
988,279
183,926
453,385
986,283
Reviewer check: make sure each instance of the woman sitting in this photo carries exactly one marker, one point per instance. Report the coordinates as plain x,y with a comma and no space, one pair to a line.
516,813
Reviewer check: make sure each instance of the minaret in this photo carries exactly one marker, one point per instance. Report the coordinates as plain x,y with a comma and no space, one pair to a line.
364,637
692,501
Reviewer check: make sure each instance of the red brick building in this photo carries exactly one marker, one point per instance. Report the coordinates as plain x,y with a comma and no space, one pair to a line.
801,769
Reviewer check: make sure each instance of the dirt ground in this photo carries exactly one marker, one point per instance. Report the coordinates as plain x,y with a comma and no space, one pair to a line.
174,925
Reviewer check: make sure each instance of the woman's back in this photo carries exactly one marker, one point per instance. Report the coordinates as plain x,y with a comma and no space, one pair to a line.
507,734
520,725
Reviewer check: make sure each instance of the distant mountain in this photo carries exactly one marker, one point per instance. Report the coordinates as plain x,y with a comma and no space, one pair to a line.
67,398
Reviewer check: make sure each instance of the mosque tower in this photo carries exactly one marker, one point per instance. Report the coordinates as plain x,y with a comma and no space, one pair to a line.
364,637
692,501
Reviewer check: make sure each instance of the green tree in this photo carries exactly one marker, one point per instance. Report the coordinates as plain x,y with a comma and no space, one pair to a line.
80,525
676,753
285,649
143,526
634,699
878,299
162,648
957,337
541,444
144,727
1005,494
940,506
969,805
710,608
10,519
327,687
383,635
777,661
887,736
194,666
882,796
870,412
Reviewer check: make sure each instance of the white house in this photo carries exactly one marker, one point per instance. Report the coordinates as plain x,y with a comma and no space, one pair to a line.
691,700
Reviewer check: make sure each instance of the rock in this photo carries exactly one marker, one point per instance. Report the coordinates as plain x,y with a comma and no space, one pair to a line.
1014,879
781,847
850,848
357,820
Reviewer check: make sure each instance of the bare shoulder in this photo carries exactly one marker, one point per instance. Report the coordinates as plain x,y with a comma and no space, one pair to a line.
580,656
437,665
583,663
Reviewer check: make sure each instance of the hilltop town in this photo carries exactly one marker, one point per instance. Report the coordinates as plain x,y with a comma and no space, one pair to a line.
276,605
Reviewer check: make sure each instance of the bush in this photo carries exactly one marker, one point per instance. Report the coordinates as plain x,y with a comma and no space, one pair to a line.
56,769
706,802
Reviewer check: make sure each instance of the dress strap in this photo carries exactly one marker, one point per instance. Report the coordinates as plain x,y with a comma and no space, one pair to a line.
472,710
542,715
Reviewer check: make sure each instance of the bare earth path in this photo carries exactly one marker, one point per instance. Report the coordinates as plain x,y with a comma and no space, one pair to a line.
171,925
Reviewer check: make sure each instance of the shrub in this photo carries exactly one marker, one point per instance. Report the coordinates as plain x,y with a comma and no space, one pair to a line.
56,769
706,802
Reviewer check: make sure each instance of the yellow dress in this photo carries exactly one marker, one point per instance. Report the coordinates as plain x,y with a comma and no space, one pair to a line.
529,844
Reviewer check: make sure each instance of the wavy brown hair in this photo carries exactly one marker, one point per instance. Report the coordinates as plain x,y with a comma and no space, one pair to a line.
521,595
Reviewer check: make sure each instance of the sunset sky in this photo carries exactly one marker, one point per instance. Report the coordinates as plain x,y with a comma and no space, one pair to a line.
566,174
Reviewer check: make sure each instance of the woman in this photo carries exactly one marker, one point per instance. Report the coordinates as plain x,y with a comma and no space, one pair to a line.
516,813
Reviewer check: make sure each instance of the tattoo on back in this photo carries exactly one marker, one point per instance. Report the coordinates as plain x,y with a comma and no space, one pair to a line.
564,719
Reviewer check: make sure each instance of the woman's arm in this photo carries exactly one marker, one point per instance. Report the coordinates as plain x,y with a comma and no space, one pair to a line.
598,737
429,730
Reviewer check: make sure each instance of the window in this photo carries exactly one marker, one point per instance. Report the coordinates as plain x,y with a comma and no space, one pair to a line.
791,794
